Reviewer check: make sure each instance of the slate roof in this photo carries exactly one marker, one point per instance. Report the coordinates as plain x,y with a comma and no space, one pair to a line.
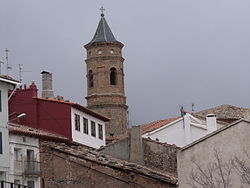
225,111
103,32
156,124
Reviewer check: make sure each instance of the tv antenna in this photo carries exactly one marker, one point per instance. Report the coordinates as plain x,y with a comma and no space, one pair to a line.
7,60
20,67
1,62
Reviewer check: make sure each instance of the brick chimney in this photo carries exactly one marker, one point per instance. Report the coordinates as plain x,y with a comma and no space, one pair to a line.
47,91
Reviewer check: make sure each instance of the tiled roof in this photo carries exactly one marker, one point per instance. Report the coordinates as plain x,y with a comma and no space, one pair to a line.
225,112
25,130
109,161
156,124
77,106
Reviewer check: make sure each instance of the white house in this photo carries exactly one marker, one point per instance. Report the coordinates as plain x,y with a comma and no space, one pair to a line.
24,160
6,84
25,154
180,131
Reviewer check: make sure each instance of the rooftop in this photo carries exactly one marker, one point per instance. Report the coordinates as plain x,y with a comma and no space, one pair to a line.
109,161
225,111
77,106
103,32
28,131
156,124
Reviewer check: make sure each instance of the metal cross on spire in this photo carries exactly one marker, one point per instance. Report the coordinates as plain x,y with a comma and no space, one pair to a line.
102,10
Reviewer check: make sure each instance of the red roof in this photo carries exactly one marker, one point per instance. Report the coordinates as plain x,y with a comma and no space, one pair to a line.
156,124
77,106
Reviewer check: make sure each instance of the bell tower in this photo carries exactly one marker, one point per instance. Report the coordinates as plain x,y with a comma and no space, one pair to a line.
105,78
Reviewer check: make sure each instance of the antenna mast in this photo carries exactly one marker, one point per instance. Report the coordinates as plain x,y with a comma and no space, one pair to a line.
20,67
7,61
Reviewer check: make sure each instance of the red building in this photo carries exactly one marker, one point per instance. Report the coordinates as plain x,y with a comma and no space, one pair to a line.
57,116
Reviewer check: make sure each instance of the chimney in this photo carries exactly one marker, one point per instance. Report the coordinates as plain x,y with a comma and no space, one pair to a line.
211,122
136,150
47,91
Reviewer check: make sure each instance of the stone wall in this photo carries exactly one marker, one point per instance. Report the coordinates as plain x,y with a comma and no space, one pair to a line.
159,156
156,155
68,168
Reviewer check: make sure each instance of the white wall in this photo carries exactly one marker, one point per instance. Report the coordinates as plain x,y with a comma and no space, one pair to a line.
23,143
4,157
180,132
80,136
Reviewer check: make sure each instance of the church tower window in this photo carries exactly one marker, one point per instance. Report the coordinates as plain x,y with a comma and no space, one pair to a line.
90,79
113,76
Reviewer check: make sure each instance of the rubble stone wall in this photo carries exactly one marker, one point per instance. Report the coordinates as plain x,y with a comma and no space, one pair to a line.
62,170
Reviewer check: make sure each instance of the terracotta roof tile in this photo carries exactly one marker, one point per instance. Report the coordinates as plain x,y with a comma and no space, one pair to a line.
109,161
25,130
156,124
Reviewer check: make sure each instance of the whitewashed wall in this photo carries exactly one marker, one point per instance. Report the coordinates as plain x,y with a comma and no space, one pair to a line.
181,132
23,143
80,136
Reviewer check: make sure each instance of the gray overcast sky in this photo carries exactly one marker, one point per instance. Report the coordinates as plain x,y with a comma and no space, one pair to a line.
176,51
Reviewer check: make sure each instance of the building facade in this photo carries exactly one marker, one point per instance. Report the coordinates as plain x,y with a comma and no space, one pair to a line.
65,118
181,131
105,77
24,160
5,85
220,159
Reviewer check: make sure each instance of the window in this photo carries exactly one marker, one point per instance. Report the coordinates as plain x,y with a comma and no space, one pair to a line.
30,155
93,131
17,154
16,182
113,76
91,79
100,52
77,122
100,131
85,126
1,143
31,184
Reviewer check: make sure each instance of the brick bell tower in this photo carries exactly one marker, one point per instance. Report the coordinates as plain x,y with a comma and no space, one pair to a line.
105,78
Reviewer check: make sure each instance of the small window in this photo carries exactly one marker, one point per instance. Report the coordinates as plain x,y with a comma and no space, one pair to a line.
93,130
31,184
85,126
100,131
112,51
77,122
90,53
91,79
100,52
113,75
17,154
1,143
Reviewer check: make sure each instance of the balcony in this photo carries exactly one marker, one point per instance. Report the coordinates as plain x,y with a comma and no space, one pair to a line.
32,168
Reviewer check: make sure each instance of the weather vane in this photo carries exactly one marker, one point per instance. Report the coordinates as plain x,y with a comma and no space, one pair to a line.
102,10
